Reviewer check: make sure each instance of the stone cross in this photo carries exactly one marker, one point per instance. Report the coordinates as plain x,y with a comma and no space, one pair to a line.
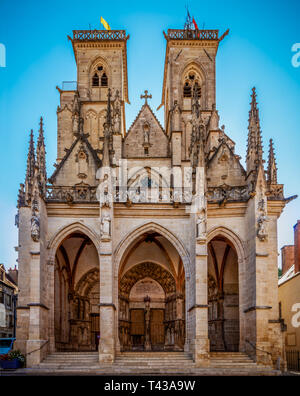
146,96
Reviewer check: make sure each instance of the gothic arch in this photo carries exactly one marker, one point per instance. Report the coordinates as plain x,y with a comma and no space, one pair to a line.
87,281
126,242
56,240
93,63
147,269
144,171
193,65
238,245
232,238
197,67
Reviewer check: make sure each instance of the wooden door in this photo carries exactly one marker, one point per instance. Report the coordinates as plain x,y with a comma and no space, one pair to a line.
157,328
137,327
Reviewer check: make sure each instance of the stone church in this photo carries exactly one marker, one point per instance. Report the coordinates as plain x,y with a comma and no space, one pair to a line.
154,238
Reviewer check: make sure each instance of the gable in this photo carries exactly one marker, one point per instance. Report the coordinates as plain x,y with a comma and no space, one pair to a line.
79,164
225,167
146,137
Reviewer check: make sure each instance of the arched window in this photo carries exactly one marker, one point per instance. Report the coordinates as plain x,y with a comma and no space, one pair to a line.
104,80
187,90
191,80
95,81
99,77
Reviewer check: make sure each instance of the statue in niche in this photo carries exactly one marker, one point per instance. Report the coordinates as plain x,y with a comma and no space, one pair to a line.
105,227
75,123
261,221
35,222
105,196
117,123
262,232
201,225
146,134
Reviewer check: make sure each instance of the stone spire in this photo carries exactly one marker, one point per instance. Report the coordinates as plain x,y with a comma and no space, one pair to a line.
41,158
272,167
30,168
254,147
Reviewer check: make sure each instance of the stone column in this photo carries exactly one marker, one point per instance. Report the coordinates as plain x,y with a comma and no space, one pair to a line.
36,347
50,295
107,307
200,308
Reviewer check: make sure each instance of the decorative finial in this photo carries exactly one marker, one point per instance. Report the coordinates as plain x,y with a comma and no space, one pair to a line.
146,97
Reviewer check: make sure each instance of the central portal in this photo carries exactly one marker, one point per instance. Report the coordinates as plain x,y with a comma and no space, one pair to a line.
147,303
151,311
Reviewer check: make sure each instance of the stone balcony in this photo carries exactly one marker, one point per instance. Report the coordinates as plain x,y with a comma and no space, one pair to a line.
99,35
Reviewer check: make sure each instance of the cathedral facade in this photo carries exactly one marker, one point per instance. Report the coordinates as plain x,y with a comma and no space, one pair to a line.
154,238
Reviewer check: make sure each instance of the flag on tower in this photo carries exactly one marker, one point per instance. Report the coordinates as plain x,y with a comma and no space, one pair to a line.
105,24
195,24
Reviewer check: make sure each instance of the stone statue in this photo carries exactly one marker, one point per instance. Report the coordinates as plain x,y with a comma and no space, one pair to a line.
261,221
201,225
35,228
147,323
105,196
146,134
262,232
35,222
117,123
105,227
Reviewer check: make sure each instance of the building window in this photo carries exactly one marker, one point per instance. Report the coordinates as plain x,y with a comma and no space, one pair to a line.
99,77
191,81
1,297
8,300
95,81
104,80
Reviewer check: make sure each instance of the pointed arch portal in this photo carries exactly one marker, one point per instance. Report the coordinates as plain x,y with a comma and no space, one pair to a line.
151,295
223,295
76,294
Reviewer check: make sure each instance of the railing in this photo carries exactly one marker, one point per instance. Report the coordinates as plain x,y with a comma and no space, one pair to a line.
71,194
82,193
38,349
293,360
96,35
228,193
186,34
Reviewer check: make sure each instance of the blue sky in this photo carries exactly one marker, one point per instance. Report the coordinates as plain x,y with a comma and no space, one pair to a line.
256,52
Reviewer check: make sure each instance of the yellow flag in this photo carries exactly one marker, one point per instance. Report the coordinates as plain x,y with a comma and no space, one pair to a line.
105,24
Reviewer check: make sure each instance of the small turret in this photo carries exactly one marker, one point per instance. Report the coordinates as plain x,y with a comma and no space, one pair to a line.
30,169
254,147
272,167
41,159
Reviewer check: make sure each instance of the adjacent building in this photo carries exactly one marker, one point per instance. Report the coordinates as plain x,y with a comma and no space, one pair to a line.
8,301
289,291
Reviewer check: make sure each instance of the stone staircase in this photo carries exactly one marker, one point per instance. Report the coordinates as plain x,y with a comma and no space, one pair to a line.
148,363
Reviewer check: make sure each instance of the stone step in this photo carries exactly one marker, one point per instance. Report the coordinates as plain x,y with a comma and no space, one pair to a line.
118,371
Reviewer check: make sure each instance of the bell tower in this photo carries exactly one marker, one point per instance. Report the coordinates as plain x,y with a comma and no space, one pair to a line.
101,59
190,66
